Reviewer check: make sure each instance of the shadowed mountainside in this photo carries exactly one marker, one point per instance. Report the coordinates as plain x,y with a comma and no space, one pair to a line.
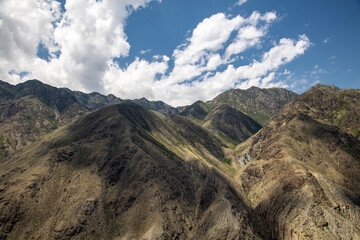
31,109
230,124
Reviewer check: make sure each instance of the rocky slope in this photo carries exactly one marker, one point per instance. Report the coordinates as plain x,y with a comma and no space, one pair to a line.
124,172
109,175
31,109
304,174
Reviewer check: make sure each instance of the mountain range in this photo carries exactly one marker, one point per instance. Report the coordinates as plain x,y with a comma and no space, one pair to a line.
249,164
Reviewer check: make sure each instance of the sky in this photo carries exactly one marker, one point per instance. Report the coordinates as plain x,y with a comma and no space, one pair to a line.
180,51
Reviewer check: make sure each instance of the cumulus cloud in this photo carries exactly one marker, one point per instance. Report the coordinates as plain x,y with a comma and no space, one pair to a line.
24,24
258,73
255,73
83,41
201,51
250,35
137,80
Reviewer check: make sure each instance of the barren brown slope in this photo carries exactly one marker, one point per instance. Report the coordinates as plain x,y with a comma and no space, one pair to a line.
110,175
304,175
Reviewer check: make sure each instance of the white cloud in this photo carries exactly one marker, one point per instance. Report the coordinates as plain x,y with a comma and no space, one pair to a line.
332,59
137,80
326,40
84,40
250,35
241,2
24,25
200,53
318,70
300,85
260,74
142,52
88,36
249,75
286,72
209,35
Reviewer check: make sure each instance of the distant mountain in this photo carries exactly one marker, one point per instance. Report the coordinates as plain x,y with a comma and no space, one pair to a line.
259,104
237,114
196,111
94,101
230,124
158,106
31,109
303,177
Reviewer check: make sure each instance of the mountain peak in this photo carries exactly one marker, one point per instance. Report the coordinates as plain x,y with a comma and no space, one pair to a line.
325,87
168,177
32,82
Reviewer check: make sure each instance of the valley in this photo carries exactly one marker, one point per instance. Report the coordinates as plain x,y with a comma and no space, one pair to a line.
249,164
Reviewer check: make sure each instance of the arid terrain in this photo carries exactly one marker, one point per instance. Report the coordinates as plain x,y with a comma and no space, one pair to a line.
249,164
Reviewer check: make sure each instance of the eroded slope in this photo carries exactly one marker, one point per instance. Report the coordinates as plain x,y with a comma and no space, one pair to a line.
304,174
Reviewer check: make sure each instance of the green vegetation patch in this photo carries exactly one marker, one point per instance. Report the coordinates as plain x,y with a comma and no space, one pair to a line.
227,161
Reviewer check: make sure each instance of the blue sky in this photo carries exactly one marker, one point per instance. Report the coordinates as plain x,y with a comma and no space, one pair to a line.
332,26
180,51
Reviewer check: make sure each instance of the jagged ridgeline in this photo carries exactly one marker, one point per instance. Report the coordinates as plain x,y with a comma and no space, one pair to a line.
250,164
259,104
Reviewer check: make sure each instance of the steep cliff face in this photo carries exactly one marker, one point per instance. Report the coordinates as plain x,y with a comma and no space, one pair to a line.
303,178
